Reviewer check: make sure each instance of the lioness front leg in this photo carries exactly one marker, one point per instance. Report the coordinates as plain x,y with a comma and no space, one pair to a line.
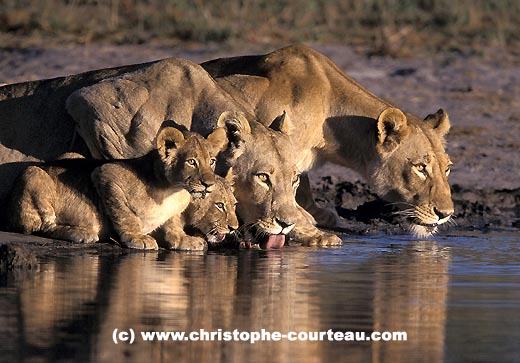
176,239
323,216
310,235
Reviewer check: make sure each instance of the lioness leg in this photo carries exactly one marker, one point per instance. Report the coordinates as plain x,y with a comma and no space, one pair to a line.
323,216
176,239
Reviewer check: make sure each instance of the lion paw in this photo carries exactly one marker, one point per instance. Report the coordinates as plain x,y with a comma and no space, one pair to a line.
82,236
190,243
140,242
322,239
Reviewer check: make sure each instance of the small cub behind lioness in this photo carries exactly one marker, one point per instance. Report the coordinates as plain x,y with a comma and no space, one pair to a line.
86,200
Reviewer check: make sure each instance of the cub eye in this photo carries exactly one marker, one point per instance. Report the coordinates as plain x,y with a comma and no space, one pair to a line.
264,178
212,162
220,206
448,170
191,162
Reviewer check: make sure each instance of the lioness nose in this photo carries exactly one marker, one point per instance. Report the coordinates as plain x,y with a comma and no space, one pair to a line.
443,213
283,224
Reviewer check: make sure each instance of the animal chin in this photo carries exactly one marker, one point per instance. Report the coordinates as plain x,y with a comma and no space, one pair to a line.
216,238
198,194
423,230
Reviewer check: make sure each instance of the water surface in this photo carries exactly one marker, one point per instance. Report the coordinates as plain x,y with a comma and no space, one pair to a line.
457,297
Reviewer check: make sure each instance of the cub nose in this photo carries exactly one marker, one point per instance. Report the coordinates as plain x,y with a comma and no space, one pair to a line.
209,184
443,213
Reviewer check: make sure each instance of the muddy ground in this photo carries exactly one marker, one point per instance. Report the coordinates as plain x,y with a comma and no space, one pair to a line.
480,92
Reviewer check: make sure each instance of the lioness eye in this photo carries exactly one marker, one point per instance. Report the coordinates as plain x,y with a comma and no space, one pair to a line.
263,177
420,170
191,162
212,162
220,205
448,170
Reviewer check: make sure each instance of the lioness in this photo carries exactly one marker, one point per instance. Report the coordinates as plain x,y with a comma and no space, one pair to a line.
337,120
69,198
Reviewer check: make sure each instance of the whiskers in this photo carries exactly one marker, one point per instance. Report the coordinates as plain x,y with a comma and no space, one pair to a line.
420,220
422,231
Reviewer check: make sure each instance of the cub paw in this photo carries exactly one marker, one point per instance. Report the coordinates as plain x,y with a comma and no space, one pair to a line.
140,242
81,236
190,243
326,217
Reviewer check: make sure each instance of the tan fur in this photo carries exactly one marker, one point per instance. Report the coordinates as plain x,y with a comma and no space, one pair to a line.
137,196
338,121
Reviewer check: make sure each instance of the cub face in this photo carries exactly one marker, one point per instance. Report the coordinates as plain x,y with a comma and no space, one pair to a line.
189,162
214,215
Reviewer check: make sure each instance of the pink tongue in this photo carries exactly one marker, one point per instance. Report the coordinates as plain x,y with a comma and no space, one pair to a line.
274,241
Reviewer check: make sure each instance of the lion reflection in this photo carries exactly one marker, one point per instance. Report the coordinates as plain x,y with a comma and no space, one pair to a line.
70,308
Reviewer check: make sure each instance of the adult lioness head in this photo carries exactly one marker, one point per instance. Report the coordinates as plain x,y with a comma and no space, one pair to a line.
189,159
214,216
412,168
266,179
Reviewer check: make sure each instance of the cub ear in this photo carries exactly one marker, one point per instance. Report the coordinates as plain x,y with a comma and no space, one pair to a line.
439,121
391,129
168,141
218,139
281,123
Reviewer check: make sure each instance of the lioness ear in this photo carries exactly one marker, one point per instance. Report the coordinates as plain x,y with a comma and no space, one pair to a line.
391,128
168,141
237,128
281,123
230,177
439,121
218,139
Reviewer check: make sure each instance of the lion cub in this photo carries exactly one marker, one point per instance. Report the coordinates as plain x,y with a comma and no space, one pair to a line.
85,200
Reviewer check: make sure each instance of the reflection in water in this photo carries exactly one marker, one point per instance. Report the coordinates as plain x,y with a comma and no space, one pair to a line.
68,310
